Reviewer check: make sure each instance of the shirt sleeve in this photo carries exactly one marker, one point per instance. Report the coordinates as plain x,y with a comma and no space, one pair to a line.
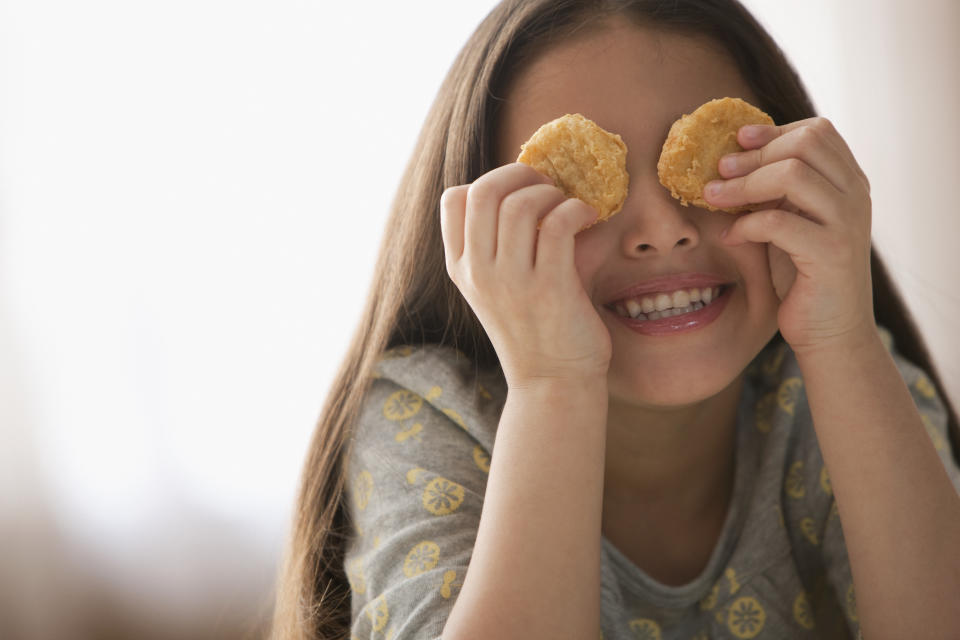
415,484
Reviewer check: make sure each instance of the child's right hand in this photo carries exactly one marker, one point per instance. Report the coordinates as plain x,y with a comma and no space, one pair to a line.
522,282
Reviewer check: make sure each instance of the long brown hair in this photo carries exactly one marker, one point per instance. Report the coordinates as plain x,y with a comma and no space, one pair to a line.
413,301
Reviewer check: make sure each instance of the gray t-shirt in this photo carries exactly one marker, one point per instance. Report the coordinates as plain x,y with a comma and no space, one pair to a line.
417,473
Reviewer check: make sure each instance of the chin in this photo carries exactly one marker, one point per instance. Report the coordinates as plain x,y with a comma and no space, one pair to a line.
671,385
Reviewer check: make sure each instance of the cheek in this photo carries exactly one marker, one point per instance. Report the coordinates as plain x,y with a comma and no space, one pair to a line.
753,265
589,255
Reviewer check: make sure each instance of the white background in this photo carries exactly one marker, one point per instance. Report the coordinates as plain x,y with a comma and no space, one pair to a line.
191,197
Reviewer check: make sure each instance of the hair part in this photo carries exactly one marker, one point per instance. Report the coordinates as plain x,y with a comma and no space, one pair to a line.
413,301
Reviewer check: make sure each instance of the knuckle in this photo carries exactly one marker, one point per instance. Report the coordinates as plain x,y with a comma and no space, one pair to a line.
773,220
738,186
564,216
482,192
794,169
521,202
822,125
451,197
762,156
553,225
808,138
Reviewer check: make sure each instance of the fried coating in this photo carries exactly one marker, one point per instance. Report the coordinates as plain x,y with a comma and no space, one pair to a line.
584,161
695,144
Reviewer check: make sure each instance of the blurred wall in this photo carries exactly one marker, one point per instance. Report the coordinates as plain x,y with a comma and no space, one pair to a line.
887,73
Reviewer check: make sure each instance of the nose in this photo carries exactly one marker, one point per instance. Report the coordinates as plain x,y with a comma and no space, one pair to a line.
657,224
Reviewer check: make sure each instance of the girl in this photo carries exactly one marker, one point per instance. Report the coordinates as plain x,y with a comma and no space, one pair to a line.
685,477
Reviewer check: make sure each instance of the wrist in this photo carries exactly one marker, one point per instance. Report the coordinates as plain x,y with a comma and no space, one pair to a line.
855,345
560,386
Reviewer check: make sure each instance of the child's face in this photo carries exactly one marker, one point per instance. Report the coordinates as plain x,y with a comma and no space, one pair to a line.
636,82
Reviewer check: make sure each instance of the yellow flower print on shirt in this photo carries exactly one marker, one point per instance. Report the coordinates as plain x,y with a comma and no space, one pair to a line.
402,405
397,352
413,432
645,629
448,585
355,577
925,387
825,481
794,482
379,613
453,415
442,496
746,617
481,459
939,443
710,600
364,490
732,578
771,365
809,530
802,612
414,474
789,393
421,558
764,412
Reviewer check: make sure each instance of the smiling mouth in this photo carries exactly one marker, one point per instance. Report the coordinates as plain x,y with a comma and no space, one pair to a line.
667,304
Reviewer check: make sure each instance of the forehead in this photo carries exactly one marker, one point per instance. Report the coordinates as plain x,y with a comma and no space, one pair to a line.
630,80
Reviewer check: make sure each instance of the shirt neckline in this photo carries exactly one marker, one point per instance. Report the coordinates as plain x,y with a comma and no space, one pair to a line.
635,582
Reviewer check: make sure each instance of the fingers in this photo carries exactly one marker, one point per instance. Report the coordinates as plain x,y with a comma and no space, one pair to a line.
793,234
558,233
517,229
453,205
495,220
815,141
808,144
803,166
484,197
787,182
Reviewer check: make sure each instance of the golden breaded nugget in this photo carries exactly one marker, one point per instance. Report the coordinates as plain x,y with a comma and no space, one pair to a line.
584,161
695,144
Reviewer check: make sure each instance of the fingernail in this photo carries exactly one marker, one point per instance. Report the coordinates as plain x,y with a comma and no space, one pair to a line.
713,188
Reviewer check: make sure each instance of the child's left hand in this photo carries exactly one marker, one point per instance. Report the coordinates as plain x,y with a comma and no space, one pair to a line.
816,211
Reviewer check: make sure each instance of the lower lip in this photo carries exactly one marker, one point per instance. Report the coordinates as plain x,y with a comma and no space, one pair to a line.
679,324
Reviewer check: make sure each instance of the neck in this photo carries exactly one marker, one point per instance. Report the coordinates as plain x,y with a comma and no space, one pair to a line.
676,461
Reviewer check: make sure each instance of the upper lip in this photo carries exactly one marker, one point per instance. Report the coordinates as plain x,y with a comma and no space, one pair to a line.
667,283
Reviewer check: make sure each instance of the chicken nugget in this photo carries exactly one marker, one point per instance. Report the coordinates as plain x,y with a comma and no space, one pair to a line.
584,161
695,144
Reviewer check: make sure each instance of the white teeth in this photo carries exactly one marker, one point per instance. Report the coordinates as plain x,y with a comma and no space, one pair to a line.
666,305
